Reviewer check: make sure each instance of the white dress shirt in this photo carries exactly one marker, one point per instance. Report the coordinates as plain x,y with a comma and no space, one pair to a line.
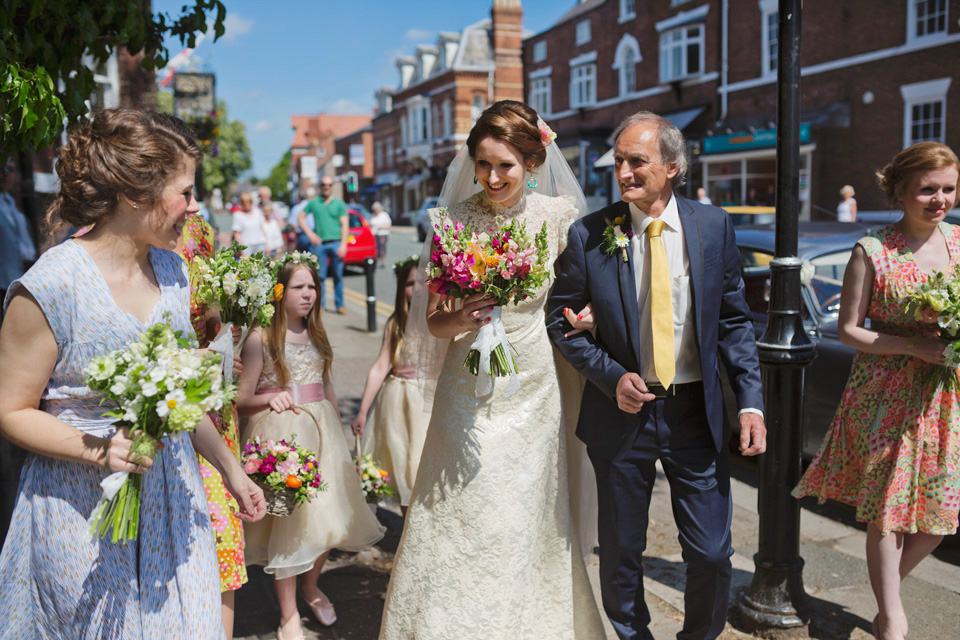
678,262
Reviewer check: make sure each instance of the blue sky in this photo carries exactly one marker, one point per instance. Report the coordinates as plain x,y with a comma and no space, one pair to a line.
285,57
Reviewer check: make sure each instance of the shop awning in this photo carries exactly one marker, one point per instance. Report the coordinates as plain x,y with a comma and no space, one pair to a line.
374,188
681,120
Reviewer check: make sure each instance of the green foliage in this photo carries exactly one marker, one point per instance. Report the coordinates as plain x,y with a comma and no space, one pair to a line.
49,48
228,154
279,178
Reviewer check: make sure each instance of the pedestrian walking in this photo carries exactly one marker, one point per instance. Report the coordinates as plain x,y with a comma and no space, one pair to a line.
847,209
286,389
248,226
328,238
399,412
381,223
893,449
273,243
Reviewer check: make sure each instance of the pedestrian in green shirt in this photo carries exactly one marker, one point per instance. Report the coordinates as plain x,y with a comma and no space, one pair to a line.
328,239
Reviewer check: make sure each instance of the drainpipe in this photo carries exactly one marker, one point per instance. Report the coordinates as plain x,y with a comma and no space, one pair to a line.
724,57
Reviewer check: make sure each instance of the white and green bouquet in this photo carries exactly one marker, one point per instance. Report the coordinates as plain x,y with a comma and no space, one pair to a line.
937,301
160,386
240,289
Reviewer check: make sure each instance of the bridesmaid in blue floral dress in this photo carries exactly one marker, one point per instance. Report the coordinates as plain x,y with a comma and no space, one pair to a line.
82,298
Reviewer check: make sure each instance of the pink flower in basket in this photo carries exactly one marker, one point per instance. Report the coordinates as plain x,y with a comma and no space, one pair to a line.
288,466
252,465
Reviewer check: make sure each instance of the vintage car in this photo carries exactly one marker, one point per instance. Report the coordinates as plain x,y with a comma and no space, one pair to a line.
825,250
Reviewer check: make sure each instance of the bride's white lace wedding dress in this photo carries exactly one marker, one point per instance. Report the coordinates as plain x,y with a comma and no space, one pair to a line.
489,551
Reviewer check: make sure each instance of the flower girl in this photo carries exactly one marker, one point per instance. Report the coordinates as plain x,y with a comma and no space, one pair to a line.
399,420
285,391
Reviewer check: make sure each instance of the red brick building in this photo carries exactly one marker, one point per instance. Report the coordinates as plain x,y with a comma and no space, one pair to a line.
873,82
423,121
314,146
354,155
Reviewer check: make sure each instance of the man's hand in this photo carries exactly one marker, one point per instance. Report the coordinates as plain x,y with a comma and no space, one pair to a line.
632,393
314,238
753,434
342,250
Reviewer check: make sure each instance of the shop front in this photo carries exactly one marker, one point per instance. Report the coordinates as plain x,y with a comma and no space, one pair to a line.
740,169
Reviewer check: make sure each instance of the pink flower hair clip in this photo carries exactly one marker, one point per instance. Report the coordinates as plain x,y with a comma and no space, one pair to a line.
546,133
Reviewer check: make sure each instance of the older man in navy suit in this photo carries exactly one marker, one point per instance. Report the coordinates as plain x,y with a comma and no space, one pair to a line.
663,276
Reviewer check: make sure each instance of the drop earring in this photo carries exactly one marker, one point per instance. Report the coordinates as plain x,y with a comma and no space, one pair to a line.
532,183
474,179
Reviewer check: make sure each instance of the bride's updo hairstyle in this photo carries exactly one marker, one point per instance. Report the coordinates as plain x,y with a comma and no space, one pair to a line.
118,152
923,156
512,122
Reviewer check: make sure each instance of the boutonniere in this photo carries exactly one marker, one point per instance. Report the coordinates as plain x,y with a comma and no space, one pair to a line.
616,237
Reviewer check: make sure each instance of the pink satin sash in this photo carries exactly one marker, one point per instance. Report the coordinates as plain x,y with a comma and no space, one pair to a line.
302,393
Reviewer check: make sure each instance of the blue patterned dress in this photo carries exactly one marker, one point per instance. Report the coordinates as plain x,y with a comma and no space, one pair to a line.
56,581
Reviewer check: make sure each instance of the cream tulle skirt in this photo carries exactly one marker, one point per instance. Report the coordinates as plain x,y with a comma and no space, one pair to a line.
395,432
337,518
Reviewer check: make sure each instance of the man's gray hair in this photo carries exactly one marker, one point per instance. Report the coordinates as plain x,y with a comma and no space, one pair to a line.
672,146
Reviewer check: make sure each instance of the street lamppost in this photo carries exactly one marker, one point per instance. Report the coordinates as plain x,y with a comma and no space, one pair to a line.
776,602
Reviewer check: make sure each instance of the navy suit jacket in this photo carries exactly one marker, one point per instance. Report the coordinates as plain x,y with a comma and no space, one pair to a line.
724,331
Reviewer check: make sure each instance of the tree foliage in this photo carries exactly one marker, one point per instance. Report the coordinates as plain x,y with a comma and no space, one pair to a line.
279,178
228,155
49,49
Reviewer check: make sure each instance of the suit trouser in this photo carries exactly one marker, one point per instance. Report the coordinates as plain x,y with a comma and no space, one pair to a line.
673,430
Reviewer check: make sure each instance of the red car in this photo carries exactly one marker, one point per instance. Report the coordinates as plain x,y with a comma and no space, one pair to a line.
360,243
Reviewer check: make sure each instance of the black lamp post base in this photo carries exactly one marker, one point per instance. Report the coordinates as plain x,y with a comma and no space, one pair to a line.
776,606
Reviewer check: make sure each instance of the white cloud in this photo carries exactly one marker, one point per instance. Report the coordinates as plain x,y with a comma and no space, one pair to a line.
344,105
416,35
235,26
263,125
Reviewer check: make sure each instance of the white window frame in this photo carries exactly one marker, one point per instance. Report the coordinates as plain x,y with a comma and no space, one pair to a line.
540,51
627,45
390,160
768,8
583,85
921,93
541,89
477,106
447,118
583,34
913,7
628,10
667,74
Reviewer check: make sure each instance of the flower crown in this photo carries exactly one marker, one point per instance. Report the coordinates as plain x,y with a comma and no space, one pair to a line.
546,133
399,265
296,257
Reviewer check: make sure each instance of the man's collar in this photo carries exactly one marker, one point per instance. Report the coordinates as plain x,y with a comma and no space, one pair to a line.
670,216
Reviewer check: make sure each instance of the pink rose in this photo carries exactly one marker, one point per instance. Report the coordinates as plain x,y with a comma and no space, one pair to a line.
252,465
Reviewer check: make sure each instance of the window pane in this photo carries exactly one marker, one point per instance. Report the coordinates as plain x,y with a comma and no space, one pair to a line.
693,58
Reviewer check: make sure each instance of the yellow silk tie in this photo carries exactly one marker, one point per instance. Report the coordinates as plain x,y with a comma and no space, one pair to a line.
661,307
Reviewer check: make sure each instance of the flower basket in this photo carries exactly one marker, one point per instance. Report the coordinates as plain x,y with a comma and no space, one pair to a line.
279,503
301,486
374,481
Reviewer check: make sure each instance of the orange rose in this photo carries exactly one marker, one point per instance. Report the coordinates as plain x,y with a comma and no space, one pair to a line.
293,481
383,474
278,292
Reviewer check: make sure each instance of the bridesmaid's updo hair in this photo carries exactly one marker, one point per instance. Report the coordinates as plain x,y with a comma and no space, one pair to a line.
512,122
118,152
923,156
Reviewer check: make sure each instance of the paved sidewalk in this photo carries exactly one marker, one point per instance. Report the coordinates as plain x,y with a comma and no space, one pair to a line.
835,574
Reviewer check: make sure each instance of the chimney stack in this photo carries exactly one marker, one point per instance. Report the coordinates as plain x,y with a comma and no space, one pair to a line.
507,34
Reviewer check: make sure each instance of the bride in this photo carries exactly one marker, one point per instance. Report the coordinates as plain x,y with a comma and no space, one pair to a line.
489,548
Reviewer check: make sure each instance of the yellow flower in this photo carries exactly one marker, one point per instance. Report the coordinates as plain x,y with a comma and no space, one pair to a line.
479,266
278,292
618,220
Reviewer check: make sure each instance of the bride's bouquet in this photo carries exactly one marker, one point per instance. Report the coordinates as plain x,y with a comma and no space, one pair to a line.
505,263
160,386
240,289
937,301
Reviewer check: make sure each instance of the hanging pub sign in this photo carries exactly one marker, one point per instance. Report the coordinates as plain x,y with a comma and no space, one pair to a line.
193,95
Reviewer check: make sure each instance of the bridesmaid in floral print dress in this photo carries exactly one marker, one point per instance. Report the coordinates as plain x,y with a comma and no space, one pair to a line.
197,240
893,450
130,175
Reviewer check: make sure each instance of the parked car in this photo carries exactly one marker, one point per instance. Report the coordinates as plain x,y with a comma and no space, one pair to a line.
825,248
360,241
423,218
745,215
